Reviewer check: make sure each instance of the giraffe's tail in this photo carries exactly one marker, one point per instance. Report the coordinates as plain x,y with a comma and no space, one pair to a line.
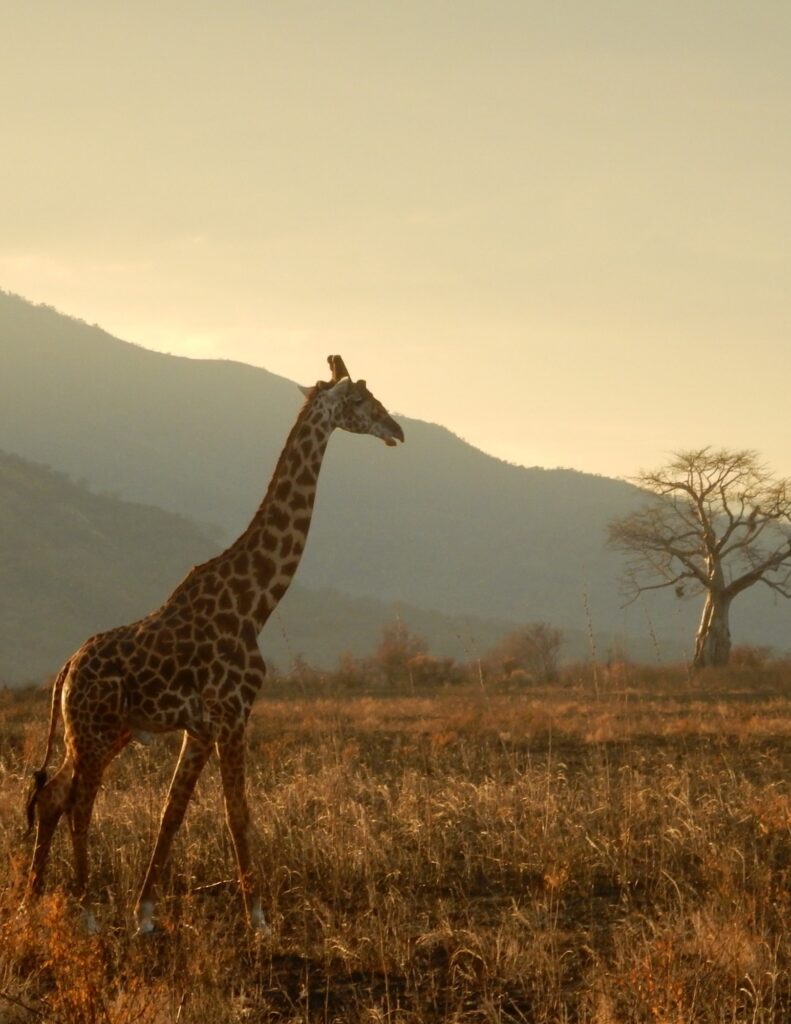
40,775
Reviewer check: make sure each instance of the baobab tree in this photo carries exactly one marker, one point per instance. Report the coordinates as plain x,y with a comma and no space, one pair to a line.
717,522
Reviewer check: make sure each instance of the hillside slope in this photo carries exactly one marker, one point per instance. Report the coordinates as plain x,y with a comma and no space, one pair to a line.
73,563
434,523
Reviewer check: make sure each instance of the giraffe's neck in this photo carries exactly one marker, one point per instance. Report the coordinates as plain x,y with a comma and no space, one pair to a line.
264,559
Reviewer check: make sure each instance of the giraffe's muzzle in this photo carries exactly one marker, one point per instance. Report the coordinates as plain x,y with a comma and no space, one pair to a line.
393,432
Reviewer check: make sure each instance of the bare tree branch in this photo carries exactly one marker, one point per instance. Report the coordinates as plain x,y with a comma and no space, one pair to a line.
717,518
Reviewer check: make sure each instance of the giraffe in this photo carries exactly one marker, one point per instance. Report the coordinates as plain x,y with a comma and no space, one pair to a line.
193,664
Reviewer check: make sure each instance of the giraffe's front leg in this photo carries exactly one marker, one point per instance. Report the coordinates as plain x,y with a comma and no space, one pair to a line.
85,786
194,755
232,770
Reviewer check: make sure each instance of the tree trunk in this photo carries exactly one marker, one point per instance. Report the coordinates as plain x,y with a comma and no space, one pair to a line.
713,640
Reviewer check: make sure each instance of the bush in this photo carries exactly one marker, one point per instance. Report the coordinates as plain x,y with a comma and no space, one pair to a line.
533,649
397,647
748,656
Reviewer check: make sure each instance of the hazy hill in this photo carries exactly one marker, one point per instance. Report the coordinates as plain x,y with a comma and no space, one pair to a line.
434,523
73,563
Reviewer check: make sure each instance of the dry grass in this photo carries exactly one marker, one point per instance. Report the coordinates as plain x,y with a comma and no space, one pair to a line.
471,855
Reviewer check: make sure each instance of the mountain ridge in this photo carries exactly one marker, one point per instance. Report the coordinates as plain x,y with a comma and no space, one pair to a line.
434,524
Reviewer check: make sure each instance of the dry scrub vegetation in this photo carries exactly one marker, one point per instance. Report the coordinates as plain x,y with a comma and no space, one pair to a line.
612,848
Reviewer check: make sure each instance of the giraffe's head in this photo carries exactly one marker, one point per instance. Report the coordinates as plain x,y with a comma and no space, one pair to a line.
352,407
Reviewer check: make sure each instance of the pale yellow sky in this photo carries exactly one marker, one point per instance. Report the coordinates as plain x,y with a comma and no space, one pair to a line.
560,229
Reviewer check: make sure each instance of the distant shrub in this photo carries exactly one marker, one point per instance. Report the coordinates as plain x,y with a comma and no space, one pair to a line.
749,656
533,649
519,677
352,674
426,670
304,677
397,647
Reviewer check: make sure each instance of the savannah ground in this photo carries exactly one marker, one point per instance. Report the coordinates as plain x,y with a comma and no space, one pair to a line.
614,847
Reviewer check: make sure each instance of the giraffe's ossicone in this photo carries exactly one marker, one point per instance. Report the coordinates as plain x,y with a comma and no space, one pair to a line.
194,663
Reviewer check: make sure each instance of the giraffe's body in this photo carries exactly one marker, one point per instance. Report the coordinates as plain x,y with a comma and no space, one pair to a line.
194,663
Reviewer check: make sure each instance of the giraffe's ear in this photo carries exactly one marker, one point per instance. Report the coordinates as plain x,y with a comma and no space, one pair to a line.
307,392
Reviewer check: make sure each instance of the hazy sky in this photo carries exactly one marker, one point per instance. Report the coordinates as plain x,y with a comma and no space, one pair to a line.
561,229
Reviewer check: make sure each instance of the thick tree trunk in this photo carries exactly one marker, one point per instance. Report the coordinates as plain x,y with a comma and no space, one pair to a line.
713,640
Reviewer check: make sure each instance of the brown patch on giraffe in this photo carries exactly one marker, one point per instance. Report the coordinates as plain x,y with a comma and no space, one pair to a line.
204,628
283,490
226,623
210,632
264,567
184,649
184,683
184,680
228,686
204,653
170,701
232,653
164,641
245,598
279,518
211,586
249,689
286,544
302,524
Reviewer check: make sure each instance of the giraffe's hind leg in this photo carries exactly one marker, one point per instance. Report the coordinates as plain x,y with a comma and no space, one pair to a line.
50,802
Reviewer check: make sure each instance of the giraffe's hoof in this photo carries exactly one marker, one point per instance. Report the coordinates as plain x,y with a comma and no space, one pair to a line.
145,928
258,924
145,919
89,922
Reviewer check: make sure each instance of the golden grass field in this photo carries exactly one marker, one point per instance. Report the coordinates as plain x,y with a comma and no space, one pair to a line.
613,848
